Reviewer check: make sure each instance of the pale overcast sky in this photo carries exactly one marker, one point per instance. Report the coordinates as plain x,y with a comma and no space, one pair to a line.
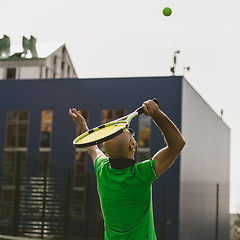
113,38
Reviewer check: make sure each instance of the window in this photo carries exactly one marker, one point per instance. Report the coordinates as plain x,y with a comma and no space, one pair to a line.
63,52
144,133
6,206
55,60
55,66
84,113
16,144
11,73
17,129
80,165
45,141
78,206
46,74
13,161
44,159
46,129
110,115
79,176
113,114
15,154
68,70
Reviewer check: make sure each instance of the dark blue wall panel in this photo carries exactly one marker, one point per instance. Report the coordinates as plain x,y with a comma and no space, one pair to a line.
94,95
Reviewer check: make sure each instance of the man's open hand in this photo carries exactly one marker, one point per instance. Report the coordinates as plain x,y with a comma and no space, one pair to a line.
79,119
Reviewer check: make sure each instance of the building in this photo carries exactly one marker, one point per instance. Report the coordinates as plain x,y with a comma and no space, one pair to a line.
33,60
234,226
191,199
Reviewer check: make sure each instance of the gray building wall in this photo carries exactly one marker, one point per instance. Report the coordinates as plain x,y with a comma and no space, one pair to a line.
204,164
190,209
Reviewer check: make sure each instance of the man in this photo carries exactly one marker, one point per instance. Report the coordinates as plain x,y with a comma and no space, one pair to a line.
124,186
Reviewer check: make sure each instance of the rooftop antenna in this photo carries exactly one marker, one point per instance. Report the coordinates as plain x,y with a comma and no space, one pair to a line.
221,114
172,69
186,69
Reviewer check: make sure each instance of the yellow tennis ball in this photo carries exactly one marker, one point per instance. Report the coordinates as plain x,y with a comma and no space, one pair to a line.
167,11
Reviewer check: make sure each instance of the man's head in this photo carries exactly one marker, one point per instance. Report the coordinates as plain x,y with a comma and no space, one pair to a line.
122,146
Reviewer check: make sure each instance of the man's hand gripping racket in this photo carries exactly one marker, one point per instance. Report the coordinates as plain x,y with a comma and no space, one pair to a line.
103,132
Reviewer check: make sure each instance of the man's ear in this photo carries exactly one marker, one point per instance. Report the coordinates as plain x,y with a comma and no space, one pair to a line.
131,147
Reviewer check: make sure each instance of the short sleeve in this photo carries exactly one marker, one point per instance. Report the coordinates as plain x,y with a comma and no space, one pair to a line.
146,171
99,162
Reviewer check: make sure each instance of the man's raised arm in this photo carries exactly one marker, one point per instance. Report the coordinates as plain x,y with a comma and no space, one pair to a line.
165,157
93,151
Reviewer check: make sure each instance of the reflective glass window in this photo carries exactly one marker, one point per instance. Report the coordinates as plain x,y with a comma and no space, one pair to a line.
144,133
17,129
46,128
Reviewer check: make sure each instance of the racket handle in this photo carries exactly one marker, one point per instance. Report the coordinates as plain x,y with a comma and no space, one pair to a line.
141,111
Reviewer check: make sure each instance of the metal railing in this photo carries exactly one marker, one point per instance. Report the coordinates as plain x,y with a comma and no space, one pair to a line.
43,206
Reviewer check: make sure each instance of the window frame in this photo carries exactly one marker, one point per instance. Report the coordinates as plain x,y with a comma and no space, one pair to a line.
16,147
78,188
144,149
45,149
11,68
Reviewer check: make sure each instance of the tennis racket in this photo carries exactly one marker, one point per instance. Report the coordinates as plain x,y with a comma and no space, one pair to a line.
107,131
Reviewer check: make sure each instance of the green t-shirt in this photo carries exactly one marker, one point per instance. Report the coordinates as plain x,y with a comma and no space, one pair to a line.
126,199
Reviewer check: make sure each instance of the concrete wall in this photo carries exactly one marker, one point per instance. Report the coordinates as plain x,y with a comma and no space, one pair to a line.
1,73
57,70
25,69
30,72
204,163
36,69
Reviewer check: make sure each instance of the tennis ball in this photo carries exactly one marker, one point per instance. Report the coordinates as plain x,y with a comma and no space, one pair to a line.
167,11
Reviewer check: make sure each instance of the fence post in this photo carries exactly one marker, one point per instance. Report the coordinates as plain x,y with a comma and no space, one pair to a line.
217,212
87,206
17,198
44,196
67,204
164,222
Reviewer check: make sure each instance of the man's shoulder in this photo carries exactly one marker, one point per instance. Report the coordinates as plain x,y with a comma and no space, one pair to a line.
146,169
146,163
100,160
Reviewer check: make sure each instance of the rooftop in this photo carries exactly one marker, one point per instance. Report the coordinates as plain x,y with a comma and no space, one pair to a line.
29,49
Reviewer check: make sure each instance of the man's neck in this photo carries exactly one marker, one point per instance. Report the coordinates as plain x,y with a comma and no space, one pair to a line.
121,163
123,157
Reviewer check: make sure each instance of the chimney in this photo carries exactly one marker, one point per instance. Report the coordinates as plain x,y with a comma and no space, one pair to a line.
29,45
5,47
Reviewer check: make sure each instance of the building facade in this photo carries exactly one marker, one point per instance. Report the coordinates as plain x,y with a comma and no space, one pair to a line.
33,60
191,199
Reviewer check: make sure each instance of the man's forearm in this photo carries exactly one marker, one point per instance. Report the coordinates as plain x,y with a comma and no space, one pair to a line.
170,132
83,126
93,151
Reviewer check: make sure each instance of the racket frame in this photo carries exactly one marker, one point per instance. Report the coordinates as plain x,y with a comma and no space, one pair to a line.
126,119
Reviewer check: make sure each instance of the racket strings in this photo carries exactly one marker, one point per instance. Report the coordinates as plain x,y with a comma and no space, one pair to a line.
101,133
